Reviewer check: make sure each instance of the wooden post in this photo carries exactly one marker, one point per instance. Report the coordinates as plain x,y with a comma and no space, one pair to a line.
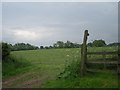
84,54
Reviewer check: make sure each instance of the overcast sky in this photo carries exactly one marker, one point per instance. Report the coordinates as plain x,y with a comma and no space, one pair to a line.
46,23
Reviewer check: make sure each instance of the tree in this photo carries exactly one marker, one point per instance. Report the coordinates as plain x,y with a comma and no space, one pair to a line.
46,47
99,43
5,51
41,47
55,45
114,44
90,44
68,44
22,46
77,45
60,44
50,47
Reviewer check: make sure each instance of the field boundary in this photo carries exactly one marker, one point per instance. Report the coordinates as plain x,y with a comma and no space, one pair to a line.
105,61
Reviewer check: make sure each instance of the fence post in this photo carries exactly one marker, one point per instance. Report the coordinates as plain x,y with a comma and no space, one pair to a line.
84,54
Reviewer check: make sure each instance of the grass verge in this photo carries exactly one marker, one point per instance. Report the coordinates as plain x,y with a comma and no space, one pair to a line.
91,80
70,78
14,66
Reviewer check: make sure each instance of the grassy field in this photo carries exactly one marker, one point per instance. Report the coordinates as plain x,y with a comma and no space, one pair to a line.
44,65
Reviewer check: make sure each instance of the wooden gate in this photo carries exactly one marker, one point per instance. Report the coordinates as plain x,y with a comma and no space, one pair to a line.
84,54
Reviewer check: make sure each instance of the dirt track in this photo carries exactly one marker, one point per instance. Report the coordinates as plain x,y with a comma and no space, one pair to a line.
22,81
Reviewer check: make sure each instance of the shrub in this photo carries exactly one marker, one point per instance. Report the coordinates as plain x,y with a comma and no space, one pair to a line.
72,70
5,51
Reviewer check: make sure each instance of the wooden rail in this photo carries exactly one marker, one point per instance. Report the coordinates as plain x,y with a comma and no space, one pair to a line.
101,62
105,60
101,53
102,71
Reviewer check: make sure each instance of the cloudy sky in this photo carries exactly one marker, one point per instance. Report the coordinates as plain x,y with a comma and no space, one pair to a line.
49,22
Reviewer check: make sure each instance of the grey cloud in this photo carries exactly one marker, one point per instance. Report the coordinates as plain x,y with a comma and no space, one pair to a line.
66,21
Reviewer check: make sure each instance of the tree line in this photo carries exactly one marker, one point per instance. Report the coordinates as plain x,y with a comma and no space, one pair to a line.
95,43
58,44
6,48
22,46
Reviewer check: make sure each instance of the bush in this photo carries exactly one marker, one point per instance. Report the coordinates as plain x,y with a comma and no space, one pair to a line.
5,51
11,65
72,70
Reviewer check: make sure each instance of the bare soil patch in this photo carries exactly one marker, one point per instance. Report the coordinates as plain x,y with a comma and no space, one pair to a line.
8,82
31,83
34,82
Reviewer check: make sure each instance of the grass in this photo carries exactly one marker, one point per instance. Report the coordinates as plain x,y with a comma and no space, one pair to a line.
91,80
53,62
70,78
47,62
47,59
16,67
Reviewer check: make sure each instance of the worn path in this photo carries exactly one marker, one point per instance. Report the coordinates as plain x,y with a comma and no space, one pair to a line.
26,80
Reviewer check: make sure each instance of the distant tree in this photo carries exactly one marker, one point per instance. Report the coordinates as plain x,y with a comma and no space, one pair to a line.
50,47
41,47
55,45
77,45
11,47
46,47
72,45
35,47
68,44
114,44
90,44
22,46
60,44
99,43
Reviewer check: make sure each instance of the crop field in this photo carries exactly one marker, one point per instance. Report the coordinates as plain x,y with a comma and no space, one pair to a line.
42,66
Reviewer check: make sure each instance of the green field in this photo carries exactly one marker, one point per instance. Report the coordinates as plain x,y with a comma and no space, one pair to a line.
44,65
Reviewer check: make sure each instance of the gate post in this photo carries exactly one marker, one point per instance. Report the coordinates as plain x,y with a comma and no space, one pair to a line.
84,54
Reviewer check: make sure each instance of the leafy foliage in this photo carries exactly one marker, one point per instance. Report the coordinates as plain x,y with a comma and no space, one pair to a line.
5,51
97,43
114,44
41,47
72,70
90,44
68,44
22,46
10,64
46,47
